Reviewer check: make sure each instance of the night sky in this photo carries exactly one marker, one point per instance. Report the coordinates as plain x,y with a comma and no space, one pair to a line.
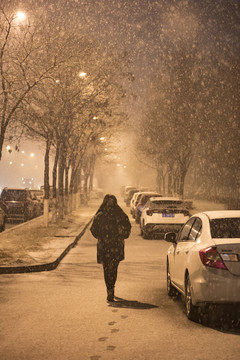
147,29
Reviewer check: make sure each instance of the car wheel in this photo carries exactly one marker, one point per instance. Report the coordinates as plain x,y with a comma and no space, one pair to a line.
191,310
170,289
145,234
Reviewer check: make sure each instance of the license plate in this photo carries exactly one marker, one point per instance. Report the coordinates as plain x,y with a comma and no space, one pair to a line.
168,215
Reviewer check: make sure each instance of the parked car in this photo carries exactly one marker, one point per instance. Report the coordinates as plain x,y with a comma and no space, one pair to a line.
203,262
161,215
141,201
3,219
133,202
37,196
126,189
129,195
19,204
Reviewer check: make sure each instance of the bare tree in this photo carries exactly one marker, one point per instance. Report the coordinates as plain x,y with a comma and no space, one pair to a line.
22,44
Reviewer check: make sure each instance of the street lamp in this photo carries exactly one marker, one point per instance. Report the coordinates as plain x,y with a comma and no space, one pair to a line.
20,16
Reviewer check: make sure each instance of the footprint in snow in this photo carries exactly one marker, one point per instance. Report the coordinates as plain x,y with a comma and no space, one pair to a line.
103,338
111,348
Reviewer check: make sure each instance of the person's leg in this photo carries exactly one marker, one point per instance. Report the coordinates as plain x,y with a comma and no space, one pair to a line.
110,277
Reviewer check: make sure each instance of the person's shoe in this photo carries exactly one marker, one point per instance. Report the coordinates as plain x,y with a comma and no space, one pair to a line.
110,295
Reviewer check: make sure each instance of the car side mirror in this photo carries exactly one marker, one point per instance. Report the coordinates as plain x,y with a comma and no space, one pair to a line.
170,237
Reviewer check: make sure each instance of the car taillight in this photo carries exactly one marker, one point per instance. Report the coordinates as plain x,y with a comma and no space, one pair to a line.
149,212
210,257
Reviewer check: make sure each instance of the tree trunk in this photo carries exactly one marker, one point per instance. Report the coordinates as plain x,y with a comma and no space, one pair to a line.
85,190
46,183
1,142
54,184
183,173
54,173
66,192
93,161
170,180
159,180
61,167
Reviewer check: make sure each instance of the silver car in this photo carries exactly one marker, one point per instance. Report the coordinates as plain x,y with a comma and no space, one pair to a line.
203,262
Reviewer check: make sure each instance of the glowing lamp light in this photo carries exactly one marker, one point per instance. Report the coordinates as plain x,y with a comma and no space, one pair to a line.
22,164
21,16
82,74
32,154
23,151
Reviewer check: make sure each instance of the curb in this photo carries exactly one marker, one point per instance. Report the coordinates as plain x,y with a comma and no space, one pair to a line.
48,266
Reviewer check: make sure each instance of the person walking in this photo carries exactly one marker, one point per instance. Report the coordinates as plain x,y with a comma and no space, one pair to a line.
110,226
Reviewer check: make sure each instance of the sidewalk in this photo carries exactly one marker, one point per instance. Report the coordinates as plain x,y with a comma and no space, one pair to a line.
31,247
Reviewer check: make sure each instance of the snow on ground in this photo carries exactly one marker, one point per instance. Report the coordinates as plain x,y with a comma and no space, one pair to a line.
31,243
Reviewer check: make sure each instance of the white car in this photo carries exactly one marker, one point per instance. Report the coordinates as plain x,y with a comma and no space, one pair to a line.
162,215
133,202
203,262
141,202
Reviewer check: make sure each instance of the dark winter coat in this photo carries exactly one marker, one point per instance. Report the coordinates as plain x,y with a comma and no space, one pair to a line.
110,227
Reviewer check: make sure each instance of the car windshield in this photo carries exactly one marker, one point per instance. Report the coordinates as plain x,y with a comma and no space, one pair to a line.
14,195
166,203
225,228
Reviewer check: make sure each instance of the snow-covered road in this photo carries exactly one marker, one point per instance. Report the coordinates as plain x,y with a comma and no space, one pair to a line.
63,314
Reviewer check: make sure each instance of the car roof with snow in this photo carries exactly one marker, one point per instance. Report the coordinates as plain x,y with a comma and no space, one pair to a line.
156,198
219,214
154,193
14,189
